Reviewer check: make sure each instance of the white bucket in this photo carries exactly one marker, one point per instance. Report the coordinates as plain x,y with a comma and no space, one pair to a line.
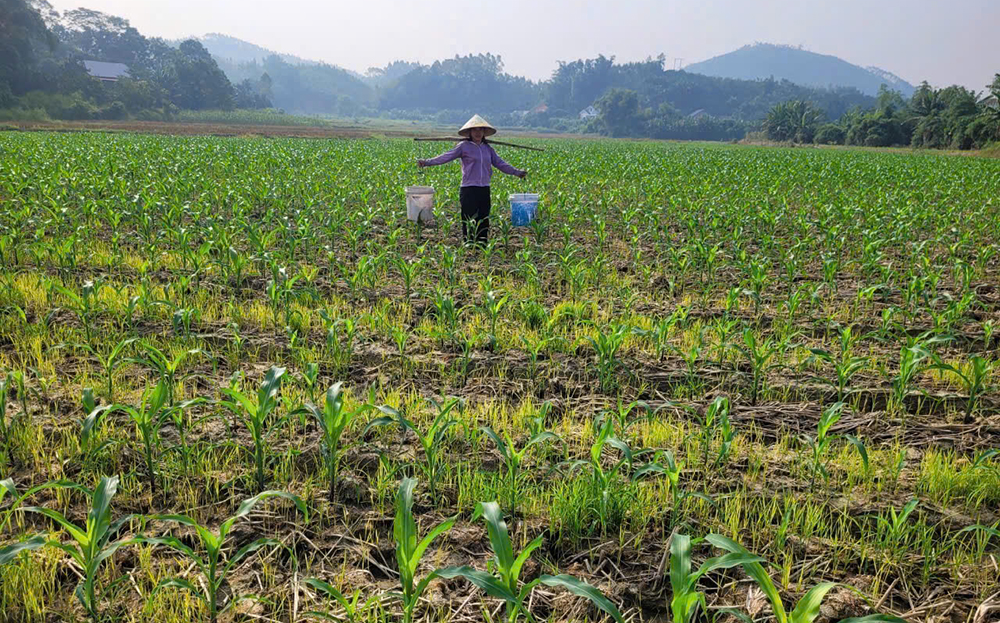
420,203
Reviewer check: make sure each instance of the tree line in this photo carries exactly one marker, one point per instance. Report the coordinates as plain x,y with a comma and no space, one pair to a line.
953,117
41,69
41,73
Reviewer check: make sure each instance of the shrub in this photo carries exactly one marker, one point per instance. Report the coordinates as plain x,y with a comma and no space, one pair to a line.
829,134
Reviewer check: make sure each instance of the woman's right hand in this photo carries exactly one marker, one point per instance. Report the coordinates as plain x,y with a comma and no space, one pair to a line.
421,163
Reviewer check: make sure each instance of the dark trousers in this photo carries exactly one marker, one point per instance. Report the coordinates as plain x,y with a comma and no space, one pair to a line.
475,202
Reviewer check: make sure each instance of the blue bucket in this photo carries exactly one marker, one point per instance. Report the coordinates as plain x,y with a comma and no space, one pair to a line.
523,208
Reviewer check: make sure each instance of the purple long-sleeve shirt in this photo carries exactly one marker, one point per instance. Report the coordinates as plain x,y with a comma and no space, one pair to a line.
477,162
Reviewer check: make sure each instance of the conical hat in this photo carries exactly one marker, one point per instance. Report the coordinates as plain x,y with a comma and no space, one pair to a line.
477,122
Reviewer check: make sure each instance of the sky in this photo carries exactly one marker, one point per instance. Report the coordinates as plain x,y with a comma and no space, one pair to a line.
942,42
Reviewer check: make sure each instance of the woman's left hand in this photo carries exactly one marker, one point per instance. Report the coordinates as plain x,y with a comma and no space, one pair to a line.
522,174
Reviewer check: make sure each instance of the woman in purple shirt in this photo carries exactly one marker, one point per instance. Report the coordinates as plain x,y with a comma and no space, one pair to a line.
478,160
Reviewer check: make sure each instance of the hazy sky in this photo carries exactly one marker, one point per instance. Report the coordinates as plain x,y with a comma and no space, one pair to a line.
941,42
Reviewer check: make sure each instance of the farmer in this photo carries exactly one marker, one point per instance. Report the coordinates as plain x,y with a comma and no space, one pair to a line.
478,160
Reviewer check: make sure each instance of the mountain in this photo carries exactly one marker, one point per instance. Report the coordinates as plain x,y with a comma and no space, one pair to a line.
763,60
237,51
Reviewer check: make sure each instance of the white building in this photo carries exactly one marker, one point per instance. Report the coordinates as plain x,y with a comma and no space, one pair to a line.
589,112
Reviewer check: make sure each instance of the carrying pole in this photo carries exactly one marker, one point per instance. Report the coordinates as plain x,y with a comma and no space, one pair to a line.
462,138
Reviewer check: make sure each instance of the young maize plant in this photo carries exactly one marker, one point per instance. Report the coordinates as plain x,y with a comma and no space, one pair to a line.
606,345
807,608
911,364
352,609
84,305
91,544
504,580
167,368
606,480
845,365
686,598
333,420
975,381
109,362
759,355
821,443
213,567
512,458
409,551
256,415
430,442
673,470
5,430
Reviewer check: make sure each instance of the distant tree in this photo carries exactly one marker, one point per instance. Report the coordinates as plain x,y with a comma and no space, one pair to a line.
195,82
104,37
620,113
393,71
792,121
22,33
830,134
251,93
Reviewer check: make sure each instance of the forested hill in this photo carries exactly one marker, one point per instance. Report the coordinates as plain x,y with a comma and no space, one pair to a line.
764,60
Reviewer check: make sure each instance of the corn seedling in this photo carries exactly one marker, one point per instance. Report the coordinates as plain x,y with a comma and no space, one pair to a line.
409,552
821,443
512,458
213,567
686,598
431,441
975,381
503,580
333,420
256,415
845,365
606,345
807,608
352,609
91,544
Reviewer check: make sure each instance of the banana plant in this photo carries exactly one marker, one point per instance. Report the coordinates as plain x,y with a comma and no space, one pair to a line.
91,543
686,598
807,608
431,441
409,551
504,578
333,420
513,458
214,567
821,443
256,415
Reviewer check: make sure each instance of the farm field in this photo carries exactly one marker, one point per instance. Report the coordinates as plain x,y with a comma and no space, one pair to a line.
783,361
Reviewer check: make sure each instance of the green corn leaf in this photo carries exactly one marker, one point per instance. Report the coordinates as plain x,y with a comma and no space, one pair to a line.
499,538
756,571
862,451
418,553
488,583
808,607
582,589
9,553
874,618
